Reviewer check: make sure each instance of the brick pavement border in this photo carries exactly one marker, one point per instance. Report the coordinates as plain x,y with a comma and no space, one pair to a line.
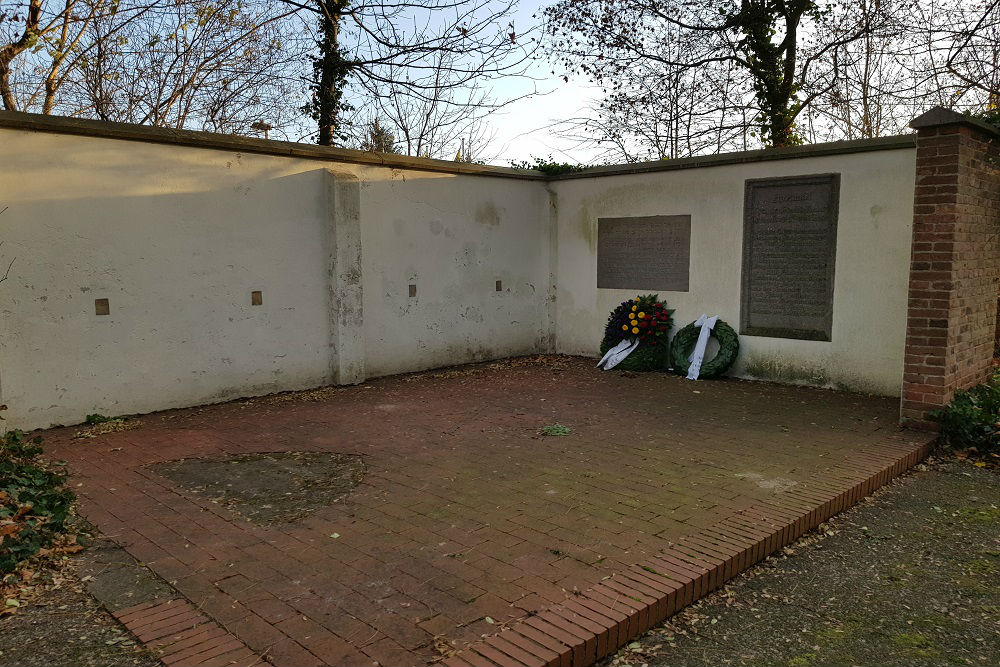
600,620
182,636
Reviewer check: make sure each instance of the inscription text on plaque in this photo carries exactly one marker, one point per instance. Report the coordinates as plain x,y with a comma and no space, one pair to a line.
789,251
649,253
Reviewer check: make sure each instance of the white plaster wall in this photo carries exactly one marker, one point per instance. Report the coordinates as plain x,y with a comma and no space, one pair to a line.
454,237
872,265
178,237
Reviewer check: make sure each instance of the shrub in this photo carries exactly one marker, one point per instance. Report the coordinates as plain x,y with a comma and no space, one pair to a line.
991,116
34,504
972,419
547,166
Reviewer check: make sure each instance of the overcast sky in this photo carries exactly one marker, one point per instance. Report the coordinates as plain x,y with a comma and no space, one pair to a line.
523,129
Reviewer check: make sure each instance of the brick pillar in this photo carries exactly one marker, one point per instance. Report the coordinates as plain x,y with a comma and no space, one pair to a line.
951,328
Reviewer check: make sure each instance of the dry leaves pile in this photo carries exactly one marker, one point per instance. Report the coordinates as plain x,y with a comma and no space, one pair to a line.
39,573
114,425
34,508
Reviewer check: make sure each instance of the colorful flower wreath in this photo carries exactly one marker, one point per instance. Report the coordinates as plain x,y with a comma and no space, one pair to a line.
647,319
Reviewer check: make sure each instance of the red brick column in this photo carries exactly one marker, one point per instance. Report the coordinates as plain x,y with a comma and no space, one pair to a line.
952,324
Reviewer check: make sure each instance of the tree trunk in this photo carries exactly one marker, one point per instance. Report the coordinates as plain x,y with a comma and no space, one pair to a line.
6,56
52,78
10,51
52,84
332,71
779,129
777,114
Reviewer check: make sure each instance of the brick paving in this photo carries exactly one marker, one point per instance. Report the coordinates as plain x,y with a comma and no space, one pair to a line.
183,636
468,521
593,623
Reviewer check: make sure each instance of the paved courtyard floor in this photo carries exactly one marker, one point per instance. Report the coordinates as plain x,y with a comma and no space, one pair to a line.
908,577
452,516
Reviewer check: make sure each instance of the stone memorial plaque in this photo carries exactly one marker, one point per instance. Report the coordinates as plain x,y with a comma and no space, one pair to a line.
651,253
789,251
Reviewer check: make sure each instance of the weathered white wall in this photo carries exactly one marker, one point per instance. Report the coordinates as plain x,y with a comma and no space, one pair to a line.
452,237
872,265
177,237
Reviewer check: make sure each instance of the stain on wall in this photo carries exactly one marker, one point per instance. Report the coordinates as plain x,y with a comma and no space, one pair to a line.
488,214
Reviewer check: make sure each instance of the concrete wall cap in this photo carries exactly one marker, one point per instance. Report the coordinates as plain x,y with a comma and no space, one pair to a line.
210,140
166,135
898,142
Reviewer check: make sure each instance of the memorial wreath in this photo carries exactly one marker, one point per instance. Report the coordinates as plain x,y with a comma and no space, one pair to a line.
686,339
647,320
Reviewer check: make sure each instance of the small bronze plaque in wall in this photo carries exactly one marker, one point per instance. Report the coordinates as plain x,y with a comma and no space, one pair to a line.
650,253
256,298
789,252
102,307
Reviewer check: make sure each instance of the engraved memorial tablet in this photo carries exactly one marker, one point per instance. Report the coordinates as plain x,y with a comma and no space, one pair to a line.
650,253
789,251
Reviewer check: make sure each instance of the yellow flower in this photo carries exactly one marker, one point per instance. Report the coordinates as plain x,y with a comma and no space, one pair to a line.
624,327
633,323
634,308
642,315
635,330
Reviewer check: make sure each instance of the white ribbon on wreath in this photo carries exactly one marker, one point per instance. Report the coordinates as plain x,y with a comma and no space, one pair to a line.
698,356
617,354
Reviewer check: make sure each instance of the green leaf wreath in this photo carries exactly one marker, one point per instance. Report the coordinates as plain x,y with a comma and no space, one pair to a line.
686,339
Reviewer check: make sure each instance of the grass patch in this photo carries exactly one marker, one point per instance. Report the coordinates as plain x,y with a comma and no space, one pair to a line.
555,430
984,567
911,640
980,515
915,645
